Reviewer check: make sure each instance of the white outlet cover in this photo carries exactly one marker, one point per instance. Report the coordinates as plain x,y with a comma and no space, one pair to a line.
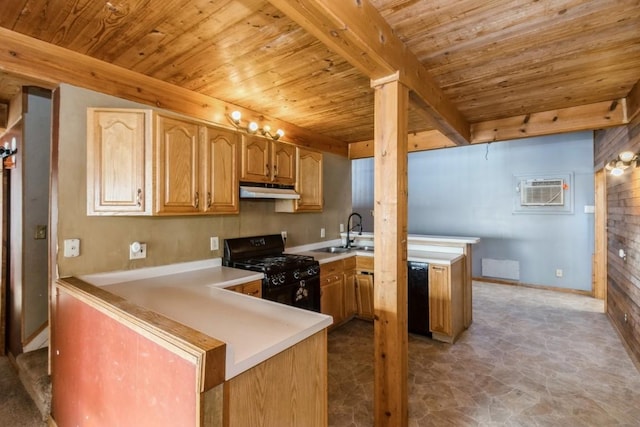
71,248
141,253
214,244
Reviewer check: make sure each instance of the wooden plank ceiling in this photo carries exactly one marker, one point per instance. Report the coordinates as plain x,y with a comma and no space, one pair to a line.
492,59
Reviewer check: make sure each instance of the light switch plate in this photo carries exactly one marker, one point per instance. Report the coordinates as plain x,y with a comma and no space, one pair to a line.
213,243
71,248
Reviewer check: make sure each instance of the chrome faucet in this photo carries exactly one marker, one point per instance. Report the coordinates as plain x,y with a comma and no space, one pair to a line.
350,227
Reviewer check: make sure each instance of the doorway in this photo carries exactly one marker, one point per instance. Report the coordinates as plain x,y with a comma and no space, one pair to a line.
25,215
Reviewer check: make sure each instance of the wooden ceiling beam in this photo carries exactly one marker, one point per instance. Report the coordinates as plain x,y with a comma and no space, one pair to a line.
633,101
418,141
584,117
52,64
4,116
357,32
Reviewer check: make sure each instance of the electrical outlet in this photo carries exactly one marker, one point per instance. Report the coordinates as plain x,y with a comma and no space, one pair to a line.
284,235
137,250
213,243
558,272
71,248
322,233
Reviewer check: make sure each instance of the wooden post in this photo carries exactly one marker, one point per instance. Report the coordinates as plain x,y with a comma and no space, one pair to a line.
390,241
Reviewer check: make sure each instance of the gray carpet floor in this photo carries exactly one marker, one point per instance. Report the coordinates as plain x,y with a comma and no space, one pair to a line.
16,407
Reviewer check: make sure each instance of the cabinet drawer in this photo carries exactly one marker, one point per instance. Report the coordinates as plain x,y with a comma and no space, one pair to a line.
349,263
330,279
333,267
252,288
364,263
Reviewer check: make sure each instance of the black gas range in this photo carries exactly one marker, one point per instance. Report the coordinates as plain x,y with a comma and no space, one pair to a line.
288,279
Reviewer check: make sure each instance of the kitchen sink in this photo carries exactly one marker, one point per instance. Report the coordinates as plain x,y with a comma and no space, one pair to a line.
341,249
333,249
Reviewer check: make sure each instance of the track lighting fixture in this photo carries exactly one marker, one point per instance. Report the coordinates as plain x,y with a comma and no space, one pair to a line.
625,160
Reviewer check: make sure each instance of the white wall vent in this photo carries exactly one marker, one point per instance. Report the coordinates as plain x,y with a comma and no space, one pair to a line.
542,192
501,268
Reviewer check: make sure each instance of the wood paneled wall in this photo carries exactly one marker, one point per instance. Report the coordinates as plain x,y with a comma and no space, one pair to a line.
623,232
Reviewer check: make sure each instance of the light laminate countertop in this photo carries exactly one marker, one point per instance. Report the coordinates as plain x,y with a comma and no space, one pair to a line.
421,248
192,294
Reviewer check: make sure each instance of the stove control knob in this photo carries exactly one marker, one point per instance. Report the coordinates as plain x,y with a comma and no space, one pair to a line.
282,278
274,280
296,274
312,271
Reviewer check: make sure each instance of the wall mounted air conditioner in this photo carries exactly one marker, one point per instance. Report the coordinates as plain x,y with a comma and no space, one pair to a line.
542,192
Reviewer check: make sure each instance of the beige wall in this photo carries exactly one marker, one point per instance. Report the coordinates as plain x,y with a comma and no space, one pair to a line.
104,241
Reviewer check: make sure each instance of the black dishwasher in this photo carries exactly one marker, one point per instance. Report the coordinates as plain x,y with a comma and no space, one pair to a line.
418,298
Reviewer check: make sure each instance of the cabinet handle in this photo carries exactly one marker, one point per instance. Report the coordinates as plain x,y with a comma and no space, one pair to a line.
253,293
275,171
197,199
435,267
208,199
268,169
139,197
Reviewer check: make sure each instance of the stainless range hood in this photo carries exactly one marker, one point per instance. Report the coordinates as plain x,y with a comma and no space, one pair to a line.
257,192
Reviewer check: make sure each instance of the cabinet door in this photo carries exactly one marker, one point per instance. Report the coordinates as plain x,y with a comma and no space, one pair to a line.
439,299
177,187
255,159
220,176
350,298
364,283
331,301
283,163
309,181
117,142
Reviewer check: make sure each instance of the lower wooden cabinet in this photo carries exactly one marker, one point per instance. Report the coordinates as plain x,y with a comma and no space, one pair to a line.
364,286
288,389
350,298
446,310
332,290
251,288
331,297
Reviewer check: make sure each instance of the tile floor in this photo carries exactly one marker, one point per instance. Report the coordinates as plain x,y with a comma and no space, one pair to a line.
531,358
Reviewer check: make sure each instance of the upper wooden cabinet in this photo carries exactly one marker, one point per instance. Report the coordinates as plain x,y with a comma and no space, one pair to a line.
176,165
219,171
119,144
267,161
194,165
308,183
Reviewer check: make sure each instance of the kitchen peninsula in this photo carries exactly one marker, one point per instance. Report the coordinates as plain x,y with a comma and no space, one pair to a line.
171,343
450,291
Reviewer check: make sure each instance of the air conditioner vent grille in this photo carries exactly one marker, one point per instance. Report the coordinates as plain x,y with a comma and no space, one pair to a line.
542,192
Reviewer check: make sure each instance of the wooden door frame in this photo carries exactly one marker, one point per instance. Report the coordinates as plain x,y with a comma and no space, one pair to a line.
3,260
599,287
